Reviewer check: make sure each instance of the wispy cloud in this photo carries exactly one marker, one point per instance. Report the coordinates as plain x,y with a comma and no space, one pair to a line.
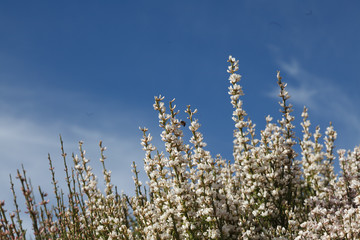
323,97
28,133
26,142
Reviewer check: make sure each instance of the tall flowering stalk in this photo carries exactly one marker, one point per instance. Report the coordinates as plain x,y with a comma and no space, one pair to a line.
267,191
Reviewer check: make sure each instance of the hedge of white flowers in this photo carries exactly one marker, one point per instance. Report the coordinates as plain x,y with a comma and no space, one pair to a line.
267,191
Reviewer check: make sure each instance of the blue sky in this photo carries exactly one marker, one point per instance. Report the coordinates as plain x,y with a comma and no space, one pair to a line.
89,70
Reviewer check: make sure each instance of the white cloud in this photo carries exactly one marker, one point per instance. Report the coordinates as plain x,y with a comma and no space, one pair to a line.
323,97
25,142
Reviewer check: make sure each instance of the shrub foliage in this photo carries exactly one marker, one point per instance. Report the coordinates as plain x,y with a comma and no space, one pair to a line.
267,191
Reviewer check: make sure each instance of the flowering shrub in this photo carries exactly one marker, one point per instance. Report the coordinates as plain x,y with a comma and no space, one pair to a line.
268,191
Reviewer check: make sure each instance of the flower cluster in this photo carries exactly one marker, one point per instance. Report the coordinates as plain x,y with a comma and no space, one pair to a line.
267,191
